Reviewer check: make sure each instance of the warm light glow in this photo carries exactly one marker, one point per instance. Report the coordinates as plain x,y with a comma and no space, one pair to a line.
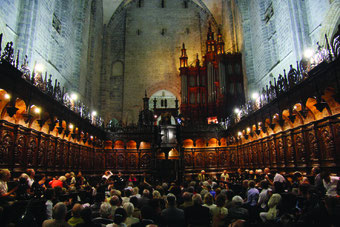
308,53
248,129
71,126
74,96
94,113
37,110
91,137
259,123
155,116
7,96
236,110
39,68
255,95
239,133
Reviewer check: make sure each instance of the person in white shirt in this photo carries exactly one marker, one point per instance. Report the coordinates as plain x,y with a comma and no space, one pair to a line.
279,178
330,183
224,176
30,179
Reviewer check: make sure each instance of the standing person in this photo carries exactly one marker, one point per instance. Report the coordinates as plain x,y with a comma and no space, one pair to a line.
330,183
30,179
318,184
197,215
173,216
119,182
201,176
224,176
252,198
263,196
219,213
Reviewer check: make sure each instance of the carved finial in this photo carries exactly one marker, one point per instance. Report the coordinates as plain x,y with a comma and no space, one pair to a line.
146,94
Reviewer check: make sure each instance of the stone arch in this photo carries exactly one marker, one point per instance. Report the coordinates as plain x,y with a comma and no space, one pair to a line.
330,22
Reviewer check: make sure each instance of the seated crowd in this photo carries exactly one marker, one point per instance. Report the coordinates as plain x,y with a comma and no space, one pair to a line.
244,198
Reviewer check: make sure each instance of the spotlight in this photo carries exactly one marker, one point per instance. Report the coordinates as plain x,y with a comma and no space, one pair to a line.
74,96
255,95
239,134
39,68
7,96
71,126
37,110
155,116
94,113
236,110
308,53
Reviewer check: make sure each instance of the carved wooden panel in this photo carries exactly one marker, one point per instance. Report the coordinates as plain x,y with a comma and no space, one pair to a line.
265,152
272,149
259,154
6,147
120,160
188,160
132,160
336,129
312,145
289,150
199,159
145,161
211,159
299,147
326,144
280,151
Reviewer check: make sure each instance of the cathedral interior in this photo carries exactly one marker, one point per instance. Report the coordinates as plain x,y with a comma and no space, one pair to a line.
169,87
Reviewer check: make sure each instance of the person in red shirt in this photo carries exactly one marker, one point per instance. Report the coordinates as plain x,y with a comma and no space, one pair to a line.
58,183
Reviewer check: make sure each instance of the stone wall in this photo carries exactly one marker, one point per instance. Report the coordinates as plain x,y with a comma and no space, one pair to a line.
147,42
276,33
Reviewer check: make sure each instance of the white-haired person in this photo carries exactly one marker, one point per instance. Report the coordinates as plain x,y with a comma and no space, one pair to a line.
129,208
59,214
5,176
237,211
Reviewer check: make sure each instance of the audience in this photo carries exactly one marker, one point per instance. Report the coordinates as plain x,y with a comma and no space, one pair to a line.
252,198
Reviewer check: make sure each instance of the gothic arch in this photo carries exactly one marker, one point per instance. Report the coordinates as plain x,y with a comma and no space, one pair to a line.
330,22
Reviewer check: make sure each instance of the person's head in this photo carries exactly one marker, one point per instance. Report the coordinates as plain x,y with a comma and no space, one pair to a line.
239,171
49,193
220,200
186,196
119,174
86,214
230,195
156,194
197,199
266,171
264,184
115,201
68,175
135,190
237,200
251,184
31,172
59,211
5,174
316,170
224,171
208,199
129,208
245,183
171,199
76,210
202,172
119,216
134,201
146,193
105,210
62,178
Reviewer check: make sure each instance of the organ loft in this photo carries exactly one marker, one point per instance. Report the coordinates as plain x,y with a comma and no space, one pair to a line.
169,88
